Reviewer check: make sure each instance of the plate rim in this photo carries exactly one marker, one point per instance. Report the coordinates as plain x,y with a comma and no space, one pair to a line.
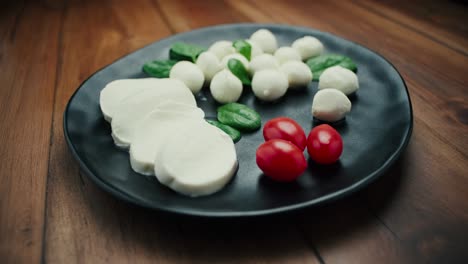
357,186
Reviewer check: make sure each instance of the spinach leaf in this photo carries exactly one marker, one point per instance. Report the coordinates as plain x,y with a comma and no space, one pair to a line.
318,64
159,69
182,51
239,116
232,132
244,48
238,69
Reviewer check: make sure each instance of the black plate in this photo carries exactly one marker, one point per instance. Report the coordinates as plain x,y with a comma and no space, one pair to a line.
374,133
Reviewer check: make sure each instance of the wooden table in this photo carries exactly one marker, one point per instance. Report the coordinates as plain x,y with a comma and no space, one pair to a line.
50,212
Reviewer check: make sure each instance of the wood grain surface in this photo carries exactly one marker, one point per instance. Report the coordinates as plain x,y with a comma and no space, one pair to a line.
51,213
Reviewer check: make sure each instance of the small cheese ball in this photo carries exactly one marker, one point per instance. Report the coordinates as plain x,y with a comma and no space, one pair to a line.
339,78
222,48
256,49
225,87
209,63
265,39
330,105
237,56
269,85
285,54
308,47
298,73
263,62
188,73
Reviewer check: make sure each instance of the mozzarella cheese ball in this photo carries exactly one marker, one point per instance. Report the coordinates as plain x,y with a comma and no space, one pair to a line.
308,47
330,105
188,73
269,85
263,62
298,73
265,39
237,56
256,49
225,87
339,78
209,63
285,54
222,48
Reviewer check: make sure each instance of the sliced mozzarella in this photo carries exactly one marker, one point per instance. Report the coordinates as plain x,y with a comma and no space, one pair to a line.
339,78
153,131
285,54
330,105
299,74
134,108
117,90
199,159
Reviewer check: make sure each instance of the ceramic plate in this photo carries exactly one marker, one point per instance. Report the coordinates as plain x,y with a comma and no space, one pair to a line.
375,132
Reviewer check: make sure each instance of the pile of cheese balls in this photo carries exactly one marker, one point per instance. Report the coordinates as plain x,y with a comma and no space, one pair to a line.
272,69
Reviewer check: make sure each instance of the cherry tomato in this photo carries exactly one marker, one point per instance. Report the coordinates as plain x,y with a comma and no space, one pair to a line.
281,160
287,129
324,144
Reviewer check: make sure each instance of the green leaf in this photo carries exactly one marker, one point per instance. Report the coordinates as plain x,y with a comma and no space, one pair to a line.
232,132
318,64
159,69
182,51
239,116
238,69
244,48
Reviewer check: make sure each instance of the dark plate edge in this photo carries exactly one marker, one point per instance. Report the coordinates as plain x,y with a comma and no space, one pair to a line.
322,200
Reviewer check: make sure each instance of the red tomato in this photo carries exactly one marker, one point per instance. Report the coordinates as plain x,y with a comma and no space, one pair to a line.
281,160
287,129
324,144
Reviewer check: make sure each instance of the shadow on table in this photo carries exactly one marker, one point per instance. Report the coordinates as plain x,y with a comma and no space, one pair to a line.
292,235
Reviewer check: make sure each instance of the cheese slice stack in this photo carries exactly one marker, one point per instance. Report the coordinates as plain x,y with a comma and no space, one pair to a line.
166,134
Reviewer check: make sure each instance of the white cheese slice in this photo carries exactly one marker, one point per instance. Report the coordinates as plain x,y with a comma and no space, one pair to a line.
197,160
154,129
134,108
115,91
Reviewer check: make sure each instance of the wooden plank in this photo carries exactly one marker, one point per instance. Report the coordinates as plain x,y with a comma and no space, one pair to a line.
448,16
250,11
84,225
424,204
187,15
28,58
441,21
347,232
